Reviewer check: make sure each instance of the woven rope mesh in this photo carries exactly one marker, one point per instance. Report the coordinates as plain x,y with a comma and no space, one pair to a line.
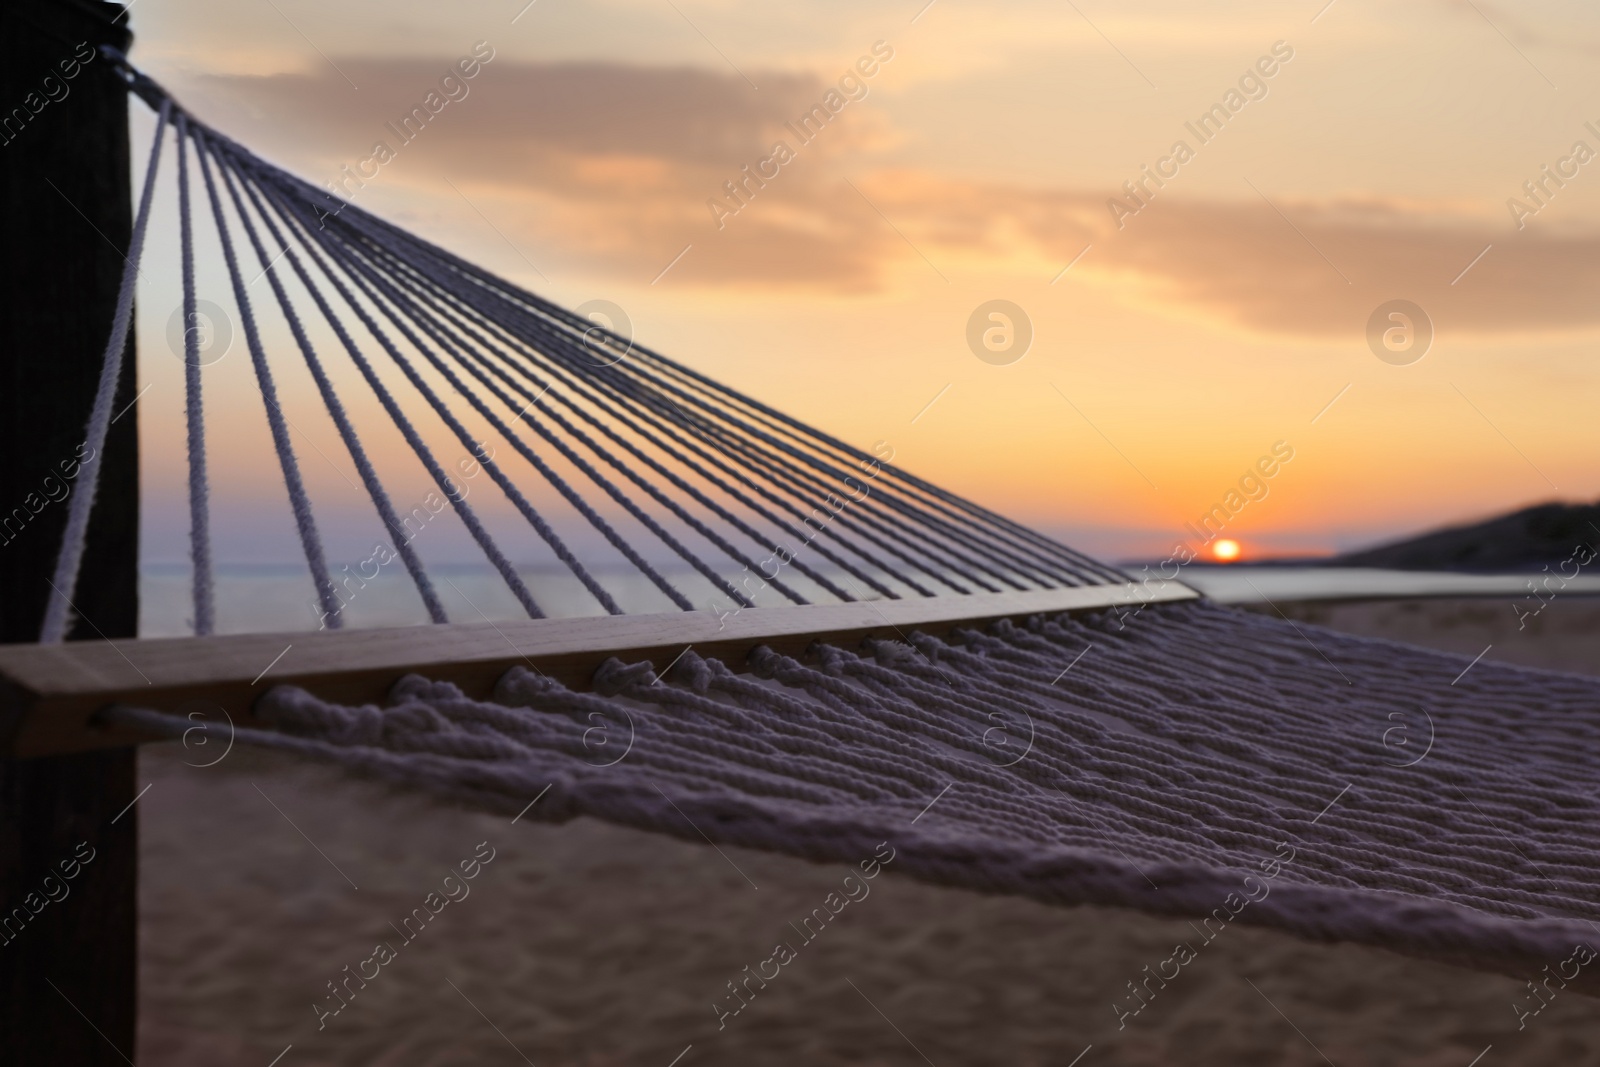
1194,759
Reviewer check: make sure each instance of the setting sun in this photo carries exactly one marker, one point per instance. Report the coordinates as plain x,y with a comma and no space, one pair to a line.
1225,550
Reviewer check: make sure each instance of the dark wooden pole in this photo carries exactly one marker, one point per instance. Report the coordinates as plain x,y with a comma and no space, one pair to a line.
68,965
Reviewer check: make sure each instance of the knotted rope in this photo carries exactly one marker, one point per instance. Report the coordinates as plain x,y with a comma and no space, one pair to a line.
1156,765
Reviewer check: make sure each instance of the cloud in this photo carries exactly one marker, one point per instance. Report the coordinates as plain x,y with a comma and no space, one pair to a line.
1509,24
1312,269
517,111
615,164
1318,269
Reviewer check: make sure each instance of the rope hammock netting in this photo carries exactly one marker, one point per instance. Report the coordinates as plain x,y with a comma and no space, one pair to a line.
1194,761
709,475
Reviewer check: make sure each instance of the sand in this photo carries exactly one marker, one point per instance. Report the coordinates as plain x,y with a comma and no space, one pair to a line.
588,944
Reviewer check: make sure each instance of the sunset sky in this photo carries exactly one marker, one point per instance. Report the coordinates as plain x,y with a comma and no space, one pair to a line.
1224,315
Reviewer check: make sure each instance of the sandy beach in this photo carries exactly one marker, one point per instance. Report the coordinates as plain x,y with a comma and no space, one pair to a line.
588,944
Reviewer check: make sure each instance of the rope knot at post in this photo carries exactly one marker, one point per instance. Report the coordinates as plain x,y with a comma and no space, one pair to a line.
833,659
693,670
889,653
763,661
412,688
139,83
520,687
614,676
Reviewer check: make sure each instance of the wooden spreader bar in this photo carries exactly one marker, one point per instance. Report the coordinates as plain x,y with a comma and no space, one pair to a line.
50,694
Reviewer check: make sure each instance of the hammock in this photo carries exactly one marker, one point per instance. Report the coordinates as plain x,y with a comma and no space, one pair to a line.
1181,758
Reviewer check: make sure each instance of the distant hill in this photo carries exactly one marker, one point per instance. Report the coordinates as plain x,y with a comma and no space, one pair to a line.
1526,539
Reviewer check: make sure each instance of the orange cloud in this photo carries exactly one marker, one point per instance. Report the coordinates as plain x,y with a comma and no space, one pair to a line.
616,164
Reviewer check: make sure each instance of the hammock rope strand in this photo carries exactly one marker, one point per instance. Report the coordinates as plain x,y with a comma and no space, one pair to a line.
58,609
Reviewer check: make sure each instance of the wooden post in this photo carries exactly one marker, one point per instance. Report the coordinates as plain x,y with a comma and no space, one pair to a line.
68,971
